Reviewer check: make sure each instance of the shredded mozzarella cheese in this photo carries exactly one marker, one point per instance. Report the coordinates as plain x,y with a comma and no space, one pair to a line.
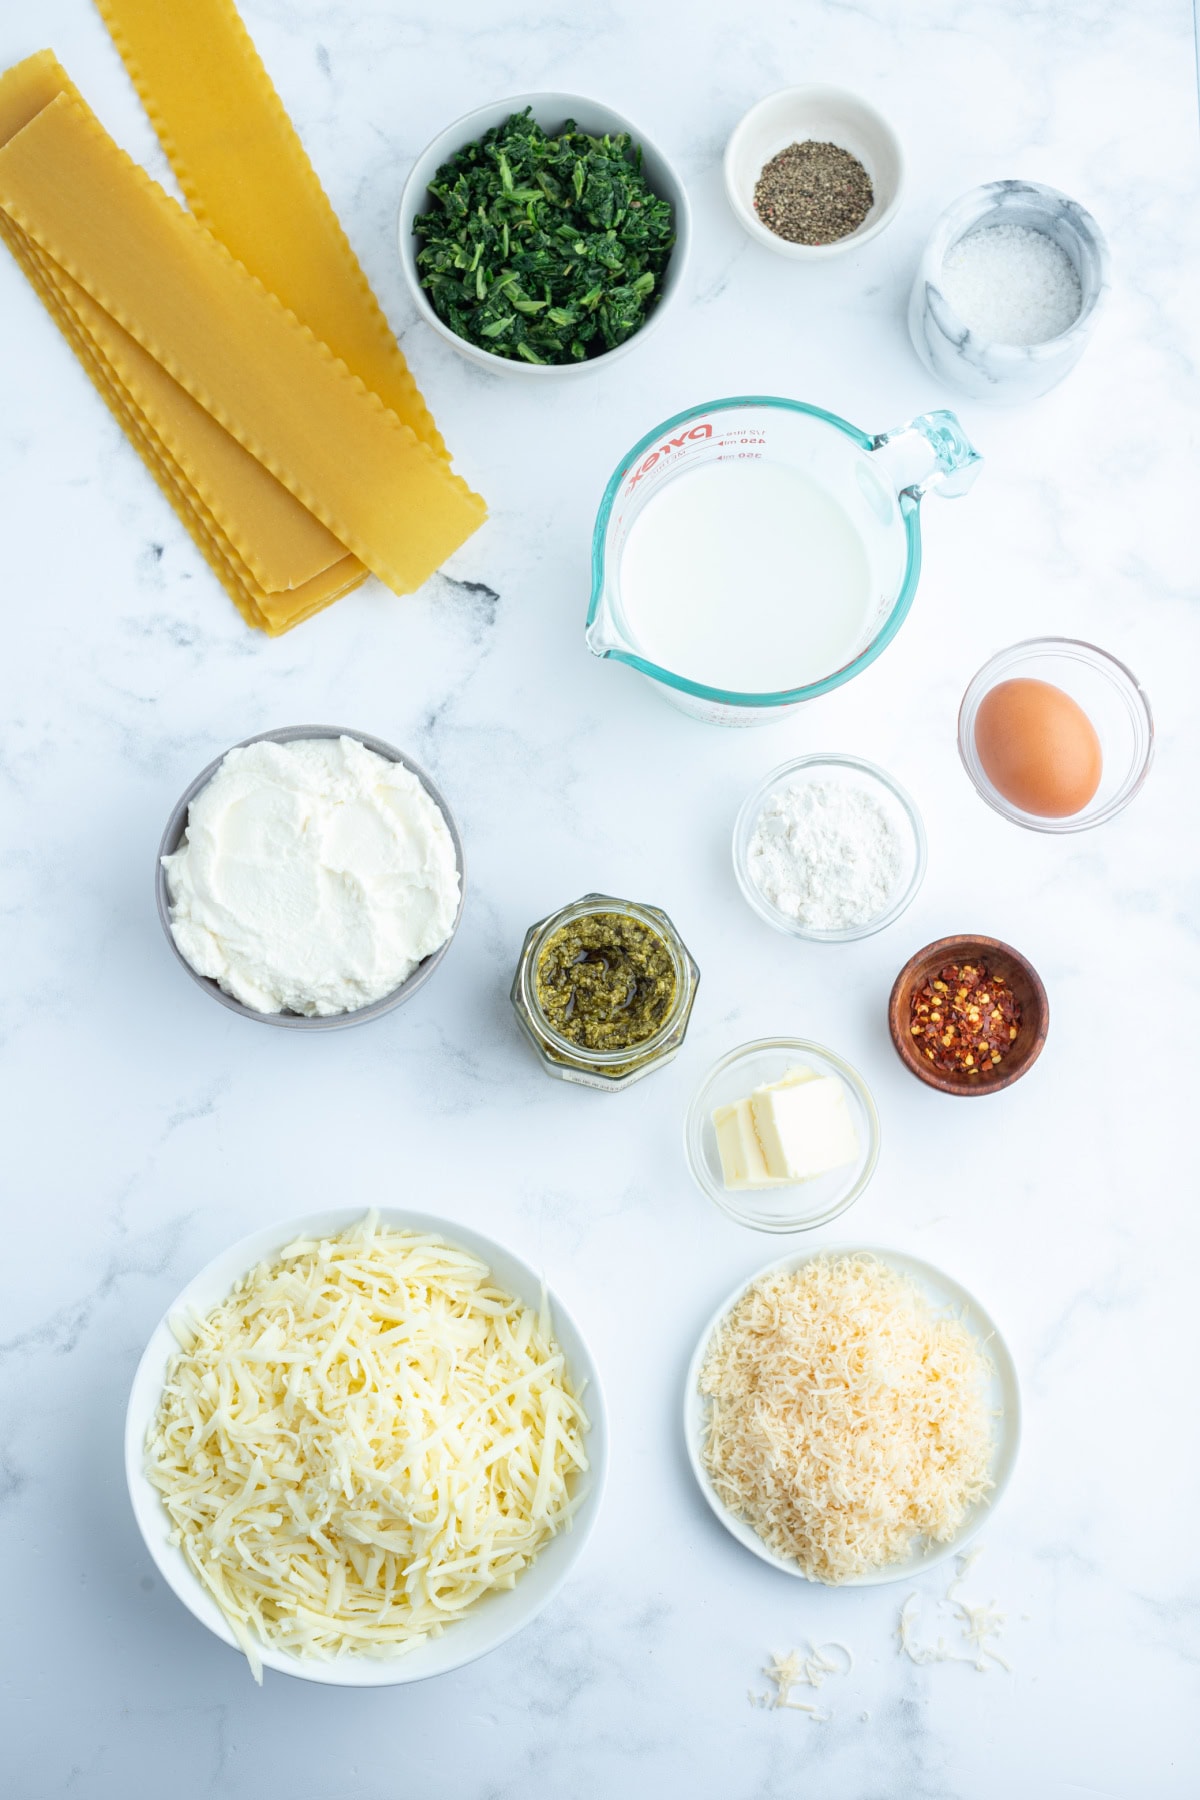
847,1418
366,1436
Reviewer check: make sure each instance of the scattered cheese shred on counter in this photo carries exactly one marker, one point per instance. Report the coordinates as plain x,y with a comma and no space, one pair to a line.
797,1669
813,1668
848,1418
980,1625
964,1563
366,1436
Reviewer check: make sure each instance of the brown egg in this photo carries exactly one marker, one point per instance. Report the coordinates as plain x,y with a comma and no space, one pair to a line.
1038,748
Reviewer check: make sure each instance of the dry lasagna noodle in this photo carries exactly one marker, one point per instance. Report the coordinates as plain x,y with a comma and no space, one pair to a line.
245,175
293,477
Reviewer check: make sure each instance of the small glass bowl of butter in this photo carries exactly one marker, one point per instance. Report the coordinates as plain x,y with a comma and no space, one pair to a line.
782,1134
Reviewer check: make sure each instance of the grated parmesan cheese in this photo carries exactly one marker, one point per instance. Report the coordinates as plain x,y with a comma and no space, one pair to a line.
847,1417
366,1436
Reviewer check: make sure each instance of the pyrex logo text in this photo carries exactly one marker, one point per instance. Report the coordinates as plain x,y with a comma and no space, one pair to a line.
675,443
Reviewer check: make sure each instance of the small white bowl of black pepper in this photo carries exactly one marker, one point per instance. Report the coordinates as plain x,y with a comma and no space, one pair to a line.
812,171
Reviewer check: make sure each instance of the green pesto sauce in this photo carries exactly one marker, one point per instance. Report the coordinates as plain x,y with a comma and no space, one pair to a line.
605,981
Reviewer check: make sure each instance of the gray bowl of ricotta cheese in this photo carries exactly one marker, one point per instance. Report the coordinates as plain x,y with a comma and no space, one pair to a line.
173,897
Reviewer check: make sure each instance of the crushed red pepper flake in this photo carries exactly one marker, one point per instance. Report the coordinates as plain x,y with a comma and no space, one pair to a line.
965,1020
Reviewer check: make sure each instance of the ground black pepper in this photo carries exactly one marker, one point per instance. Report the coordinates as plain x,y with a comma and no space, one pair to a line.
813,193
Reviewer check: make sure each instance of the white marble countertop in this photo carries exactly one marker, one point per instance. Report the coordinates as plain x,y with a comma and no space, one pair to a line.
146,1128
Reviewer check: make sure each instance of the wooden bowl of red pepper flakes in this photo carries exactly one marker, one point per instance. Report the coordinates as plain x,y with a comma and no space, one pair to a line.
968,1015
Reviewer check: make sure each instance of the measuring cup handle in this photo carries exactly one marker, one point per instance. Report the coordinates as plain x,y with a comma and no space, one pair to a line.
908,448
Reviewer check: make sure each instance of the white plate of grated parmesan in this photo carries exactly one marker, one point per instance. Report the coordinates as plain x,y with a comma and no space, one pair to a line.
365,1448
852,1415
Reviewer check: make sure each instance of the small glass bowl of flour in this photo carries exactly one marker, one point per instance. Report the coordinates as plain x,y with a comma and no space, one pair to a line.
830,848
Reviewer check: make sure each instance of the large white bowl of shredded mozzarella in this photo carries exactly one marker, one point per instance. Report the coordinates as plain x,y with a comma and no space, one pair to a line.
365,1449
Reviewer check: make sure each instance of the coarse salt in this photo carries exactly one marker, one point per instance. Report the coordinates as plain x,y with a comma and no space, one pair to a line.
828,854
1010,284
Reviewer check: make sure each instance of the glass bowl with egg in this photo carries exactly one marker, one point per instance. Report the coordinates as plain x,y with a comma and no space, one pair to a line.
834,1124
841,861
1056,734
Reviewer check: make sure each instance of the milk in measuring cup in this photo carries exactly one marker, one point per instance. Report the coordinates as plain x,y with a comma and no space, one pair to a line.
746,576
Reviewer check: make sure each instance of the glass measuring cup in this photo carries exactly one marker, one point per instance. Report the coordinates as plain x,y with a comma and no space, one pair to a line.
878,483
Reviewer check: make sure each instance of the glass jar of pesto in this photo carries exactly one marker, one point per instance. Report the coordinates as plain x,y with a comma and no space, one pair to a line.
604,990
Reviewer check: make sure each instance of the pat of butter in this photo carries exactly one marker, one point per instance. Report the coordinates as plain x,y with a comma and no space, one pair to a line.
804,1128
743,1164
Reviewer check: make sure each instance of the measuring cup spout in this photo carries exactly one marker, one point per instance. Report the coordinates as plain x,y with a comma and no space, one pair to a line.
931,453
599,636
603,635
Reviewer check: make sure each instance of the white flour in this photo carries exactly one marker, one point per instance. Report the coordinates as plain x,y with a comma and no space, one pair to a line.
827,854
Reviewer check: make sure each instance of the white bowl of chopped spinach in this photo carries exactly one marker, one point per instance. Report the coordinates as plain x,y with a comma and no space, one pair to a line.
543,235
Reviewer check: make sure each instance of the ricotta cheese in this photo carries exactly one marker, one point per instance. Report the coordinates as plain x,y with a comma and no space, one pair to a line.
313,877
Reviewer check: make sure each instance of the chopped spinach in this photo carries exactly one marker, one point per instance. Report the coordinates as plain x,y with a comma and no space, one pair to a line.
547,249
